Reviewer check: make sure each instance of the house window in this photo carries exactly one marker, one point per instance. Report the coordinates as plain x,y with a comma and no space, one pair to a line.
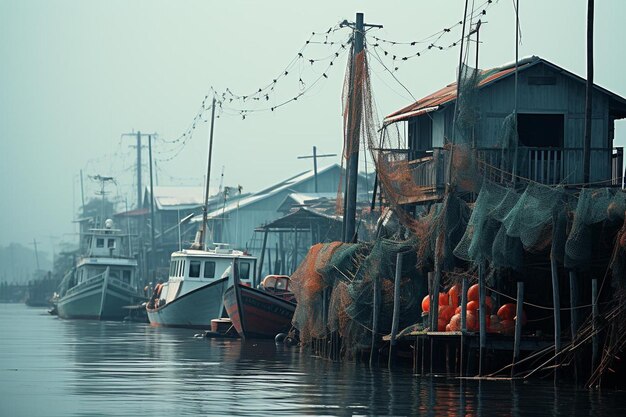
111,243
244,270
194,269
541,130
209,269
126,276
99,243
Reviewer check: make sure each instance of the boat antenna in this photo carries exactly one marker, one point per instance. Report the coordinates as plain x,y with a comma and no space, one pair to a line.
199,242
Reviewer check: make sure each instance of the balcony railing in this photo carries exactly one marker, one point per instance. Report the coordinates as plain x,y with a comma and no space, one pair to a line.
551,166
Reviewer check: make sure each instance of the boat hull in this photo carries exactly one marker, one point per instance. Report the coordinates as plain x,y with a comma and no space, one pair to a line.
257,314
98,300
194,309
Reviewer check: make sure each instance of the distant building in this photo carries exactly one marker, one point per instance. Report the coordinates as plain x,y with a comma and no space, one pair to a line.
236,221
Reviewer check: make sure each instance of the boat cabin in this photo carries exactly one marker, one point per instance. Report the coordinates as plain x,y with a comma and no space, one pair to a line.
191,269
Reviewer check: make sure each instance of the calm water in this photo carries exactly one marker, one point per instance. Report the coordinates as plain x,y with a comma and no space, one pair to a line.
53,367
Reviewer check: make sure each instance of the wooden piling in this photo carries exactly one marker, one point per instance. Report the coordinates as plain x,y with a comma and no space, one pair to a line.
518,324
556,305
481,315
434,311
396,310
573,302
594,323
375,314
464,287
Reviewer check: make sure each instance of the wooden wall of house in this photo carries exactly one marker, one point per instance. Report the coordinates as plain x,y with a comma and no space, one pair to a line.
566,96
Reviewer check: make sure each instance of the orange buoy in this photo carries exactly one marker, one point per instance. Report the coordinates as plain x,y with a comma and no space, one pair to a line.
453,294
472,293
472,305
507,311
426,304
443,299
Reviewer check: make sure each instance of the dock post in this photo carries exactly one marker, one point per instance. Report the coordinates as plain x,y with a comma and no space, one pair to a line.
259,275
434,300
518,324
556,305
464,287
594,323
375,314
573,302
482,318
434,311
396,310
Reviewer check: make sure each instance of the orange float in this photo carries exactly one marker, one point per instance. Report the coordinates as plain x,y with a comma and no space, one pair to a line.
443,299
472,293
507,311
472,305
453,294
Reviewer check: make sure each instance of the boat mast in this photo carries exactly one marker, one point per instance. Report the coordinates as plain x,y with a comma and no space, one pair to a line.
201,236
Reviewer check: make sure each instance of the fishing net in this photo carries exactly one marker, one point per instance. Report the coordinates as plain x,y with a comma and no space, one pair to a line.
334,290
594,206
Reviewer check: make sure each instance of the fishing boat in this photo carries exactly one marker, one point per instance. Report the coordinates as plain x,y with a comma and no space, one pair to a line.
193,294
260,313
103,280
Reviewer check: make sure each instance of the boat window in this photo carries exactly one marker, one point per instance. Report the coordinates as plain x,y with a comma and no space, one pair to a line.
281,284
99,243
172,264
182,268
194,269
111,243
126,276
244,270
92,272
209,269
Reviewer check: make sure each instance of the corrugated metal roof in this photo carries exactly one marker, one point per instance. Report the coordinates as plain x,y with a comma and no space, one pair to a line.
448,94
174,198
260,195
443,96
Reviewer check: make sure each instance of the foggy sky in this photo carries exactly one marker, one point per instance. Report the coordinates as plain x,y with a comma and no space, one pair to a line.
75,75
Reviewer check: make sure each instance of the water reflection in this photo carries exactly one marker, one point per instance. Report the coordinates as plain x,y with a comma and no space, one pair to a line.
56,367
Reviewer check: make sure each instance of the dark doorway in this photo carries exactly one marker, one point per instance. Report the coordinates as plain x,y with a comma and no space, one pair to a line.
541,130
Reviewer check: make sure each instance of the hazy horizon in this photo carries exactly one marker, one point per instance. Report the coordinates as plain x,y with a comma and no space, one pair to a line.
76,75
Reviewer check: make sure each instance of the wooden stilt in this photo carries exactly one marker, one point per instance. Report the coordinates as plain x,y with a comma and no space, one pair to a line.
573,302
481,314
375,315
464,287
518,324
594,323
396,310
556,304
434,301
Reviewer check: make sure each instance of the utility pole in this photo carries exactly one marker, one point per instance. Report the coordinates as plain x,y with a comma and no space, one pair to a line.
588,109
354,126
152,245
139,199
36,253
315,156
138,137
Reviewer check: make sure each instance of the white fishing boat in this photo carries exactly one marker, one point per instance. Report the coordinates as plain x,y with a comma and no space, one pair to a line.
193,294
103,281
